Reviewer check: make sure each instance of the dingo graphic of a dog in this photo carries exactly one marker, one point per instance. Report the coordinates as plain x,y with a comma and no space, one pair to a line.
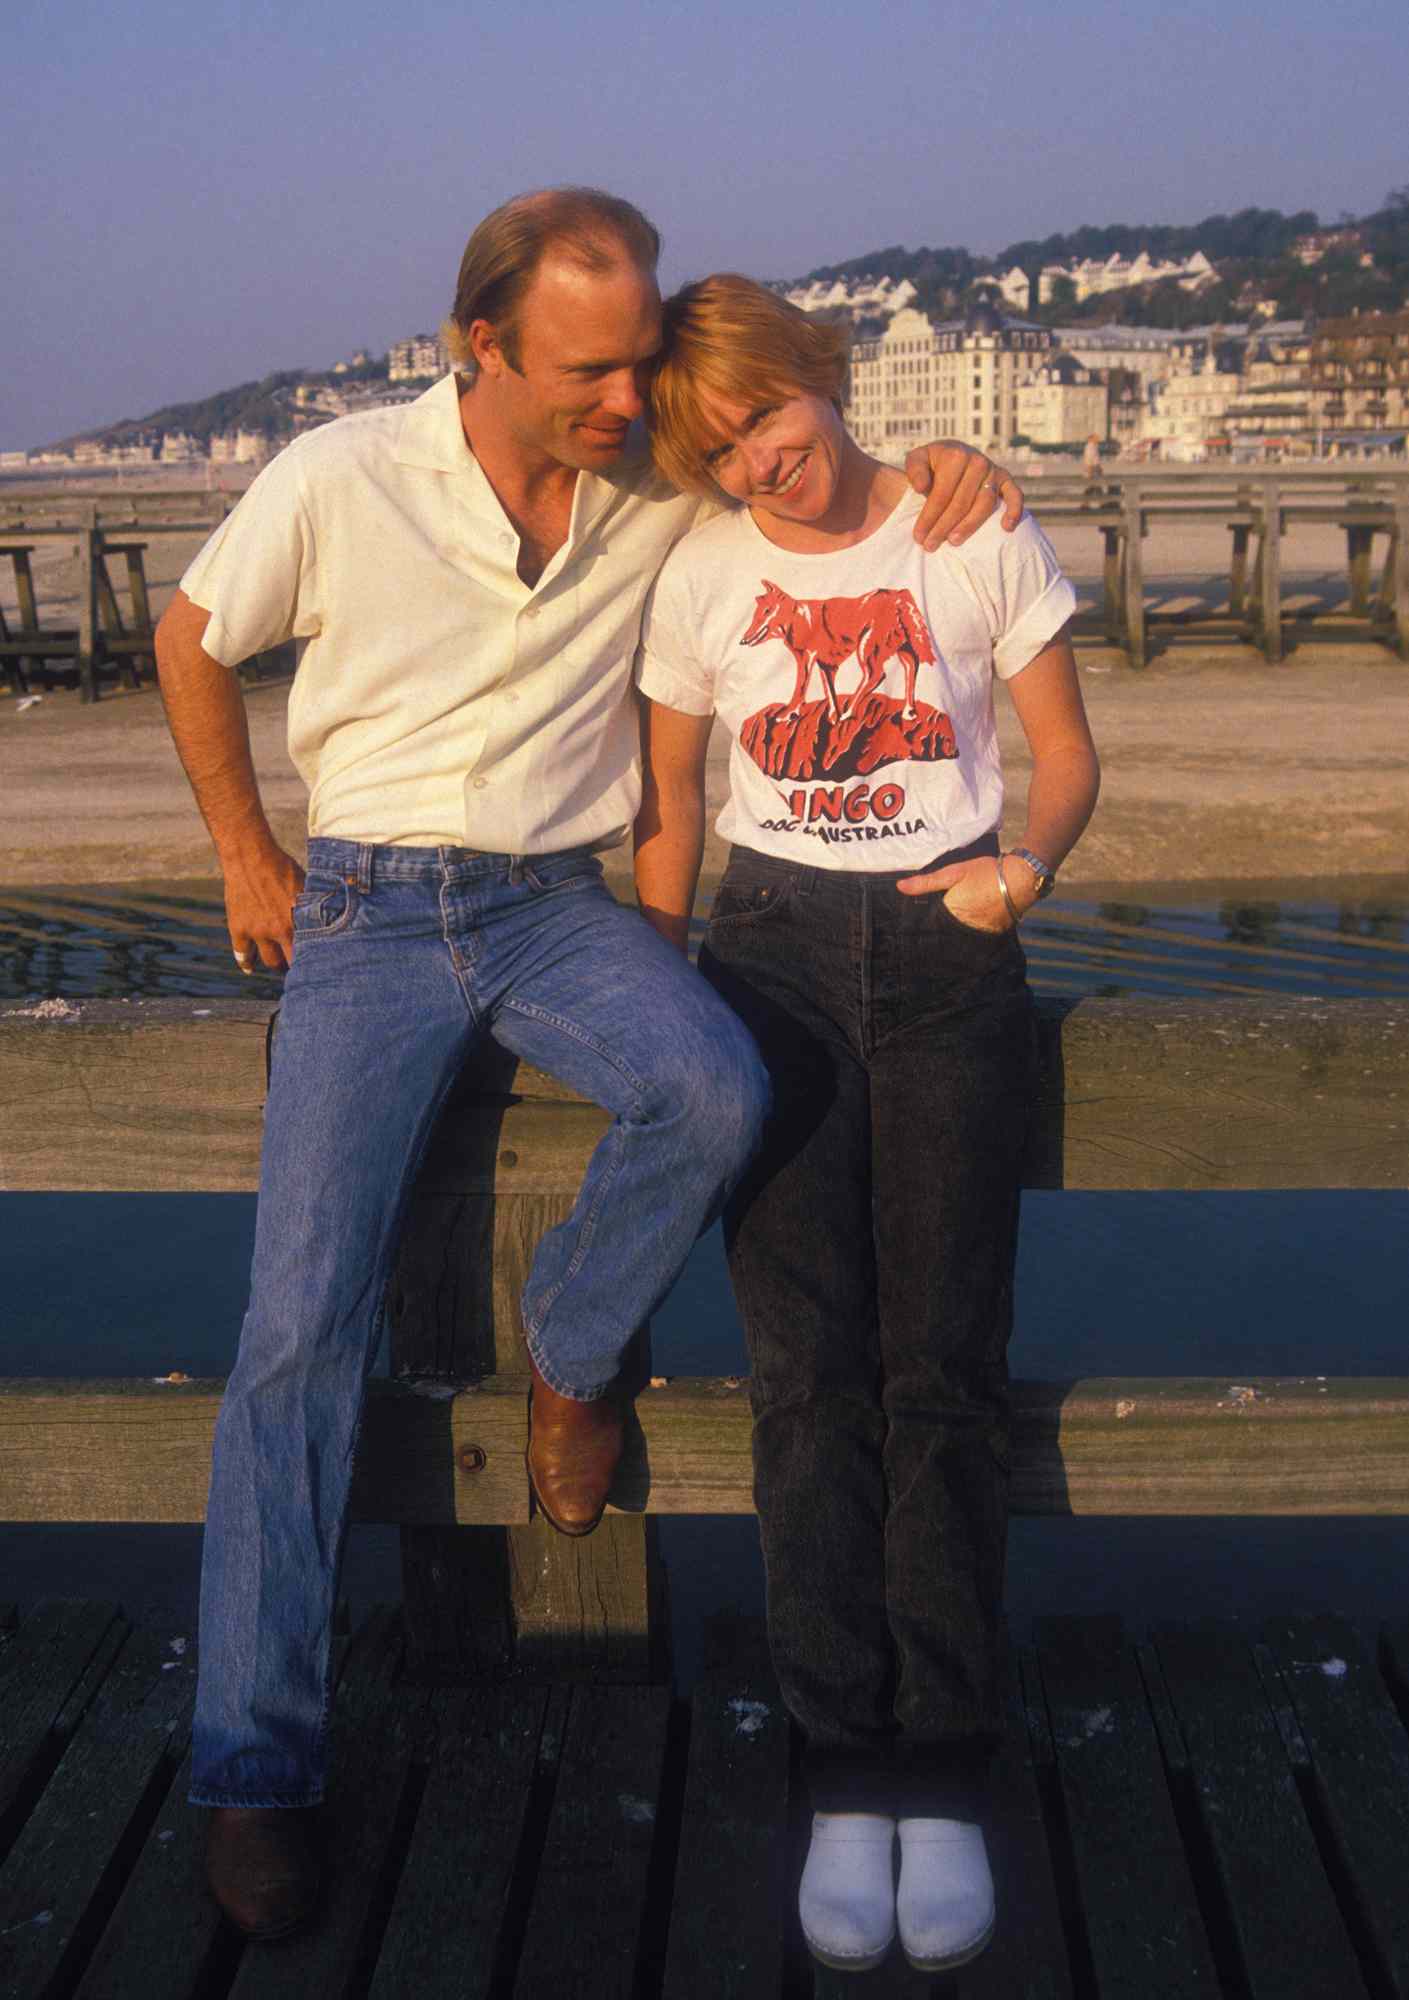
824,632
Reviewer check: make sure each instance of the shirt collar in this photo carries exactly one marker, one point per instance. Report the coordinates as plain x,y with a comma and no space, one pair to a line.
433,438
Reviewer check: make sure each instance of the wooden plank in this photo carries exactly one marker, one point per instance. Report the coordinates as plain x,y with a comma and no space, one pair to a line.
1029,1958
1360,1775
64,1870
50,1671
584,1924
727,1910
378,1729
76,1451
1229,1093
1141,1912
448,1920
165,1935
445,1458
1292,1943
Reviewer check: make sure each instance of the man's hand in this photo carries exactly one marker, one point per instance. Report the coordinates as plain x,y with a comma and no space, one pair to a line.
964,487
260,889
971,893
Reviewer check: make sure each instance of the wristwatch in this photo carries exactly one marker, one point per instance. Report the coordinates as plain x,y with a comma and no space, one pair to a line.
1046,877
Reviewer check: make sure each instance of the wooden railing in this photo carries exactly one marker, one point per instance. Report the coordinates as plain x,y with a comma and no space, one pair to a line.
1144,1094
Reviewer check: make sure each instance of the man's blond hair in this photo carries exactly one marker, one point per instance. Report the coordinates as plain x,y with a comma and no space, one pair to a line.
597,230
731,337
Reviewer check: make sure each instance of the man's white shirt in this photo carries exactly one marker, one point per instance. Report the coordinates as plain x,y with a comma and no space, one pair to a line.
439,700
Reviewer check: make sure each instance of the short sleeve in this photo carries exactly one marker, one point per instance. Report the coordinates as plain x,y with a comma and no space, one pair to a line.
257,575
668,668
1025,595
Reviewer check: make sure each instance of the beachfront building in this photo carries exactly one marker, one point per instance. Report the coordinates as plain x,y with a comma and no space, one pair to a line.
1145,351
1359,373
1189,414
1062,403
957,378
421,358
1275,408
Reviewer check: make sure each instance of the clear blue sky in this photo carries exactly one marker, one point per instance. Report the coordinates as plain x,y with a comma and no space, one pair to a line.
194,195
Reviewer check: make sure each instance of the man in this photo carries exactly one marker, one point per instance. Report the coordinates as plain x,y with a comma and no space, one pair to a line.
465,577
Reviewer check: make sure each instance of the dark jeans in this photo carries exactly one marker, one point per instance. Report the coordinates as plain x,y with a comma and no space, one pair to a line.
871,1247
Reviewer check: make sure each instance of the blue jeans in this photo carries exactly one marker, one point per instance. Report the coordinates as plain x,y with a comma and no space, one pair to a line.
404,958
871,1248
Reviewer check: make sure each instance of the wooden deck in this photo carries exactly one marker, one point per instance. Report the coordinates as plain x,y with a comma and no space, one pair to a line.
1206,1813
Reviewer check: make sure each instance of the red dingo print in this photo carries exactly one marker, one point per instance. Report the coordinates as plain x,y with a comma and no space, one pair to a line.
881,626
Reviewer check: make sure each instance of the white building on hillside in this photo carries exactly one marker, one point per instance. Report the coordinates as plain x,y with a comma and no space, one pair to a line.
1092,275
418,359
872,296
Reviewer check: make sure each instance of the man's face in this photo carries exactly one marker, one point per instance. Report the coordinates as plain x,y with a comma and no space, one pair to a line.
586,339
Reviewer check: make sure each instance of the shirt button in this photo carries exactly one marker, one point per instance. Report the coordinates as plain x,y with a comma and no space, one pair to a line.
511,697
480,784
531,611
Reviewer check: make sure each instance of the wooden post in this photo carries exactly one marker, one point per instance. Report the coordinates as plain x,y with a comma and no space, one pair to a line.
1110,593
1397,562
1359,541
29,612
1238,570
1134,575
88,608
483,1599
1271,561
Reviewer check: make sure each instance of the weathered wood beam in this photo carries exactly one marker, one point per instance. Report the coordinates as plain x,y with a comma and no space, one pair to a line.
166,1096
436,1456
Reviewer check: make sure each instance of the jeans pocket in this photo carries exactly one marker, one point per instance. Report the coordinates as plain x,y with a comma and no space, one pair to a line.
326,905
973,930
744,895
551,874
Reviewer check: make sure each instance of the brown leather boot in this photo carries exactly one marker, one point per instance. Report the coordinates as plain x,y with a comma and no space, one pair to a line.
573,1450
262,1867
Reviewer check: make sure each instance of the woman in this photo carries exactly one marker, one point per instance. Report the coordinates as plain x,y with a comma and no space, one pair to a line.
866,930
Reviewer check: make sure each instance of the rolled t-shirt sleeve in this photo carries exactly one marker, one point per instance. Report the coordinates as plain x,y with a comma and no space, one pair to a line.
257,576
1025,595
668,668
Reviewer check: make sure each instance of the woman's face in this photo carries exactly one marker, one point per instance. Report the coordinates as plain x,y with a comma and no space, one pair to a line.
782,458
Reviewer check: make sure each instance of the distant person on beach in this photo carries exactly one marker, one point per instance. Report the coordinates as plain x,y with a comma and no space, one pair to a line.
866,930
464,578
1091,457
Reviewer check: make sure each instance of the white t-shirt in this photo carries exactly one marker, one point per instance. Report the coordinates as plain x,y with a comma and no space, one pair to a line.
440,700
857,684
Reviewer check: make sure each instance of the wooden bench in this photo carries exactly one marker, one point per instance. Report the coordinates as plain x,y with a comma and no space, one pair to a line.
1263,505
1207,1811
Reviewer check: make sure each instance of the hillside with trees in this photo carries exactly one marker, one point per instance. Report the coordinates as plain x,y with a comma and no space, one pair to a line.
1254,251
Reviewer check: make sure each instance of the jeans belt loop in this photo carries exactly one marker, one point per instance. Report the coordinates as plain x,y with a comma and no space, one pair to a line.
365,851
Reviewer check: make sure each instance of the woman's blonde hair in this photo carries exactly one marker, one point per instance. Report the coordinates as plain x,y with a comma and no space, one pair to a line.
730,336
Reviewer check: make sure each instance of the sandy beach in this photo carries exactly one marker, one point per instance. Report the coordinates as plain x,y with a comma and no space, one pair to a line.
1218,767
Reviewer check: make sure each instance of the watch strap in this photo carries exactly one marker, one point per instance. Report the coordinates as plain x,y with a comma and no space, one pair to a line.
1046,875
